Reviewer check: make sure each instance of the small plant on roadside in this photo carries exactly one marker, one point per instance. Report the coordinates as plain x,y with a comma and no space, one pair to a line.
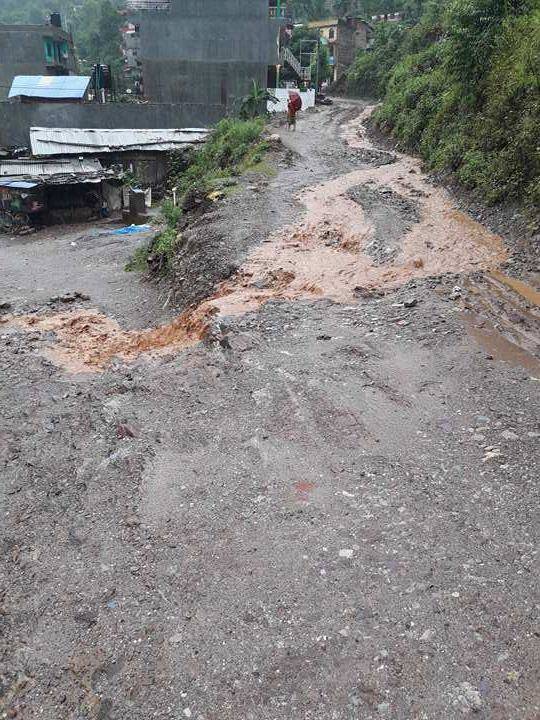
255,103
138,262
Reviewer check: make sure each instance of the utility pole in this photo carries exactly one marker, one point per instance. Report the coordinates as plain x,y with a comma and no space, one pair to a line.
318,60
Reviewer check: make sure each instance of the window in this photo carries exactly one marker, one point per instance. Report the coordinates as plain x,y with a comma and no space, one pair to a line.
331,34
49,49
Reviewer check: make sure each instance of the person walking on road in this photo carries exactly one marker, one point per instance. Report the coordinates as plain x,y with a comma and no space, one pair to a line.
293,107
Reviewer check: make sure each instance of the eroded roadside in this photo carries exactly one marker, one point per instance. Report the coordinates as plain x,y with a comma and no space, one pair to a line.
368,230
327,509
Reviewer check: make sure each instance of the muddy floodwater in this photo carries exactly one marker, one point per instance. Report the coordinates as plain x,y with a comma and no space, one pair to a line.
371,229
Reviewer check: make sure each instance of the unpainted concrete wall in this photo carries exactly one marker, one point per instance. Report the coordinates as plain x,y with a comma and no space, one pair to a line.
16,119
207,52
22,52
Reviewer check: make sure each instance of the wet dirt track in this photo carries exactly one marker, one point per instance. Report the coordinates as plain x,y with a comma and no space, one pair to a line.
327,509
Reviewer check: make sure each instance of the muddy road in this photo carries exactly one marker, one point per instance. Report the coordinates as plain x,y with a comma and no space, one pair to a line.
301,485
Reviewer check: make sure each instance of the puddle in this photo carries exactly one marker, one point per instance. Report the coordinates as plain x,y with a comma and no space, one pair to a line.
499,347
328,255
527,292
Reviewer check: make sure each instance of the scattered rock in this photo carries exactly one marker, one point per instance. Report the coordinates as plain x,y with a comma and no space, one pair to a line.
413,302
509,435
125,431
5,305
346,553
512,677
132,521
468,698
456,293
70,297
324,337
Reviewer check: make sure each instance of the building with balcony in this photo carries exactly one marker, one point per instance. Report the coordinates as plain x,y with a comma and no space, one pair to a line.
206,52
34,50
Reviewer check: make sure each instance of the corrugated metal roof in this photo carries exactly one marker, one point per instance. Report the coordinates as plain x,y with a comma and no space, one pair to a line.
75,141
54,87
46,168
53,172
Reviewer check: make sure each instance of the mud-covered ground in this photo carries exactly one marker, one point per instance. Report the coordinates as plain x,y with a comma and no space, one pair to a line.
314,496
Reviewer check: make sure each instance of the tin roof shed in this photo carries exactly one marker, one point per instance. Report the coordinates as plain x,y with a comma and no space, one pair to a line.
76,141
50,87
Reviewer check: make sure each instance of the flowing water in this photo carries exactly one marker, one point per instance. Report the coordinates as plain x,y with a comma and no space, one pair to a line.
405,229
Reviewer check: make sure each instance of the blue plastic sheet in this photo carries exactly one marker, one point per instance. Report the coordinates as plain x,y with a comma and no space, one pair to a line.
132,229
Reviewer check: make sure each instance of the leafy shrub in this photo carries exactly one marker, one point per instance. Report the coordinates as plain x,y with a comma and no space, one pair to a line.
463,90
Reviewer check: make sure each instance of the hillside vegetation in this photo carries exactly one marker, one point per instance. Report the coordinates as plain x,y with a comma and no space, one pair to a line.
461,87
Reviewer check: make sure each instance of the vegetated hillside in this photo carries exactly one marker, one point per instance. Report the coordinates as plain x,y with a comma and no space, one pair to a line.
462,88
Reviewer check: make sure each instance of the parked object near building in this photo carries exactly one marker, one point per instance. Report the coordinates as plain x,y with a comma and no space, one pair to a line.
206,52
42,192
48,88
35,50
345,37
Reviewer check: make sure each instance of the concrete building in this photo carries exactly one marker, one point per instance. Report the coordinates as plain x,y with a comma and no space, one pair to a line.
34,50
206,51
345,38
131,49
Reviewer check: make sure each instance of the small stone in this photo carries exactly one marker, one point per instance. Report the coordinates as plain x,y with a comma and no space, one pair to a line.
383,708
427,635
175,639
512,677
509,435
469,697
344,632
124,431
5,305
346,553
132,521
187,712
410,303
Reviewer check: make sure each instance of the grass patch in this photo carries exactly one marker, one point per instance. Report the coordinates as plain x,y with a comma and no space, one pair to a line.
233,148
138,262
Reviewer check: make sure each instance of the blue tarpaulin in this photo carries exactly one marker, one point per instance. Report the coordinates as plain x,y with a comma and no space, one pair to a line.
132,229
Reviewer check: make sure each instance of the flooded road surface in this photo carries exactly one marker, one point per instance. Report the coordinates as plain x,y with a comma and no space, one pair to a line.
326,510
371,229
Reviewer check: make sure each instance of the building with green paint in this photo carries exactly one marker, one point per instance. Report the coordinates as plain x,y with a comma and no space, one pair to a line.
35,50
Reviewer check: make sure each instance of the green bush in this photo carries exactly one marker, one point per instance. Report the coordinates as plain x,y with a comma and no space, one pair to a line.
462,88
233,142
233,146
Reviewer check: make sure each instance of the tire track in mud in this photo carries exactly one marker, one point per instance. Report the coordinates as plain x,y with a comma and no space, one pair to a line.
374,228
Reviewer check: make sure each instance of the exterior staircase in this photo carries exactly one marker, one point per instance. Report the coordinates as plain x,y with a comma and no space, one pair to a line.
287,56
